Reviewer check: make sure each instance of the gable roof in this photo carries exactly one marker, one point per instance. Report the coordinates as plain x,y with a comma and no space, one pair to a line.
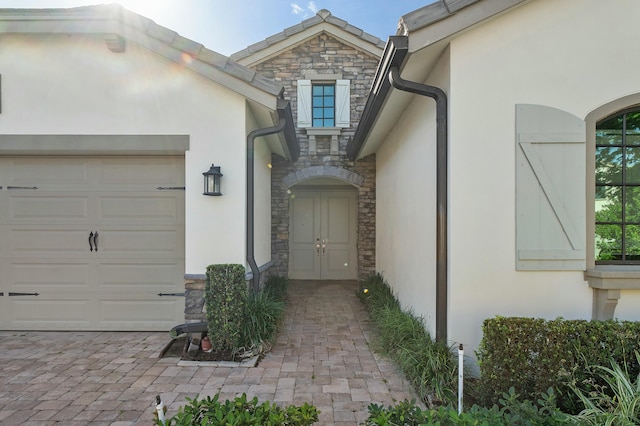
422,37
118,26
323,21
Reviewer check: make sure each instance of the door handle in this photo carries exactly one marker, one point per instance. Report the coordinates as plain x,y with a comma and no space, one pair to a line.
324,246
318,246
93,241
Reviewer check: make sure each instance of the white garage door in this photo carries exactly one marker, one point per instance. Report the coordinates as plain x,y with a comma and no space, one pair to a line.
91,243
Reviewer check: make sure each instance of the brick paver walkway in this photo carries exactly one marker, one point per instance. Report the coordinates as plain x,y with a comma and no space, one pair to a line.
109,378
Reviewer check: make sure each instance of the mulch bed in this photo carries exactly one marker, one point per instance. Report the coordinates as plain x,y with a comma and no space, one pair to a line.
178,348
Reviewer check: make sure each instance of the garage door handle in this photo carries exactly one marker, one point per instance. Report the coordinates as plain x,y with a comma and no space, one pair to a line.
93,241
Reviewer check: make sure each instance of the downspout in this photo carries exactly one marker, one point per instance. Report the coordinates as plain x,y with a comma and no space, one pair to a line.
251,259
441,191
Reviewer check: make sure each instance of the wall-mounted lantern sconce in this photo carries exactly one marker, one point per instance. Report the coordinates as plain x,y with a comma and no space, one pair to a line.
212,181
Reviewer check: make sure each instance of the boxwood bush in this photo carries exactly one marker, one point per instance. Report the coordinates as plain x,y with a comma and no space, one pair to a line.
532,355
225,297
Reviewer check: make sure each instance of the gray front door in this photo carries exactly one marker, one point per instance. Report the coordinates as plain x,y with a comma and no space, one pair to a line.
322,240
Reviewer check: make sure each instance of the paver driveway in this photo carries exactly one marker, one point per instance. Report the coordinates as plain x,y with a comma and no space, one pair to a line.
321,356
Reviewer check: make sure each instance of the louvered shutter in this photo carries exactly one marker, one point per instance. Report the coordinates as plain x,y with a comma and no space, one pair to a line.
343,103
550,189
304,103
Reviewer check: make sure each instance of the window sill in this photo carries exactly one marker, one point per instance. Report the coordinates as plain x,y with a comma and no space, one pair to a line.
618,277
607,281
332,132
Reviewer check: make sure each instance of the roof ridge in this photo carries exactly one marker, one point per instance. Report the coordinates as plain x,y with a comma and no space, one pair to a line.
322,15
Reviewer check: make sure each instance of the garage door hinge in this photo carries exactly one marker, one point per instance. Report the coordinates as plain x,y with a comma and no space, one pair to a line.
171,294
22,187
170,188
23,294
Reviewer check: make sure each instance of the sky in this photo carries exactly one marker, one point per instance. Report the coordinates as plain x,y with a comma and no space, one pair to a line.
227,26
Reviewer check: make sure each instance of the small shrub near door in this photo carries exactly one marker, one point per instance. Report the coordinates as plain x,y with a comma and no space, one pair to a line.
225,298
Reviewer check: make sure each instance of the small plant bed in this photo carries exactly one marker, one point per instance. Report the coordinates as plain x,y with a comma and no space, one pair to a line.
240,327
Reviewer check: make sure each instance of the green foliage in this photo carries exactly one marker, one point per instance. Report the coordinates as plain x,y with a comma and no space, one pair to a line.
510,411
427,364
532,355
263,313
241,412
618,403
225,298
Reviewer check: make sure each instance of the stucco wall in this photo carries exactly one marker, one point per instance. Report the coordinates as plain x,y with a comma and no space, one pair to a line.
568,55
76,85
572,55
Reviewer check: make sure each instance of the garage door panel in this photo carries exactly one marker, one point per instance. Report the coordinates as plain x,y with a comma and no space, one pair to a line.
47,171
139,313
144,243
41,241
32,313
153,171
39,207
165,207
48,277
126,277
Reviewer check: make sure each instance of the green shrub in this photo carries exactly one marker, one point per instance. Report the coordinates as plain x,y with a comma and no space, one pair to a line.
511,411
240,411
427,364
276,287
225,297
616,404
262,316
533,355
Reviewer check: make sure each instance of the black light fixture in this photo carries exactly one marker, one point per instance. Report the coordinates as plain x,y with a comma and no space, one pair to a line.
212,181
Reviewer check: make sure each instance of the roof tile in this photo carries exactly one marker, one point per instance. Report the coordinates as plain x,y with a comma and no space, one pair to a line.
321,16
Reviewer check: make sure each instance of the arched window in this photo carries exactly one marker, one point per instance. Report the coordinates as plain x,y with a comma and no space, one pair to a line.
617,193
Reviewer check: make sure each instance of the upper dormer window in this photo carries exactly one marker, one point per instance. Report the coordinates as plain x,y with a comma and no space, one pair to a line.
324,102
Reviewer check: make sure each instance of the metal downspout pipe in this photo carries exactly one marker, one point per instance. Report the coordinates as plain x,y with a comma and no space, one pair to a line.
441,191
255,271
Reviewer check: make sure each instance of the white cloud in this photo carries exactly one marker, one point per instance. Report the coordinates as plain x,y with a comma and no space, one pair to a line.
295,9
312,7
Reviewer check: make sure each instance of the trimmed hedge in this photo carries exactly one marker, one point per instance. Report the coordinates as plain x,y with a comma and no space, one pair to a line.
225,298
533,355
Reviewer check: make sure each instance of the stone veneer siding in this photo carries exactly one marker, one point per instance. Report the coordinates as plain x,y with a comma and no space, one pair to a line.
323,55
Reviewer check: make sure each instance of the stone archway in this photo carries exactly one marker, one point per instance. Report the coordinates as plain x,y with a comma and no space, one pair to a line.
299,176
358,177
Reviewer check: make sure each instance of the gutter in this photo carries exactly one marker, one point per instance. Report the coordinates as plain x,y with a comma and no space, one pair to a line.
285,125
388,77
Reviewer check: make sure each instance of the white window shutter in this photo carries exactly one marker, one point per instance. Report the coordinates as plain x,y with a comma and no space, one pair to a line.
304,103
550,189
343,103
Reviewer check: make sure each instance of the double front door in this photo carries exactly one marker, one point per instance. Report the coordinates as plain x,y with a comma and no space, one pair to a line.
322,240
